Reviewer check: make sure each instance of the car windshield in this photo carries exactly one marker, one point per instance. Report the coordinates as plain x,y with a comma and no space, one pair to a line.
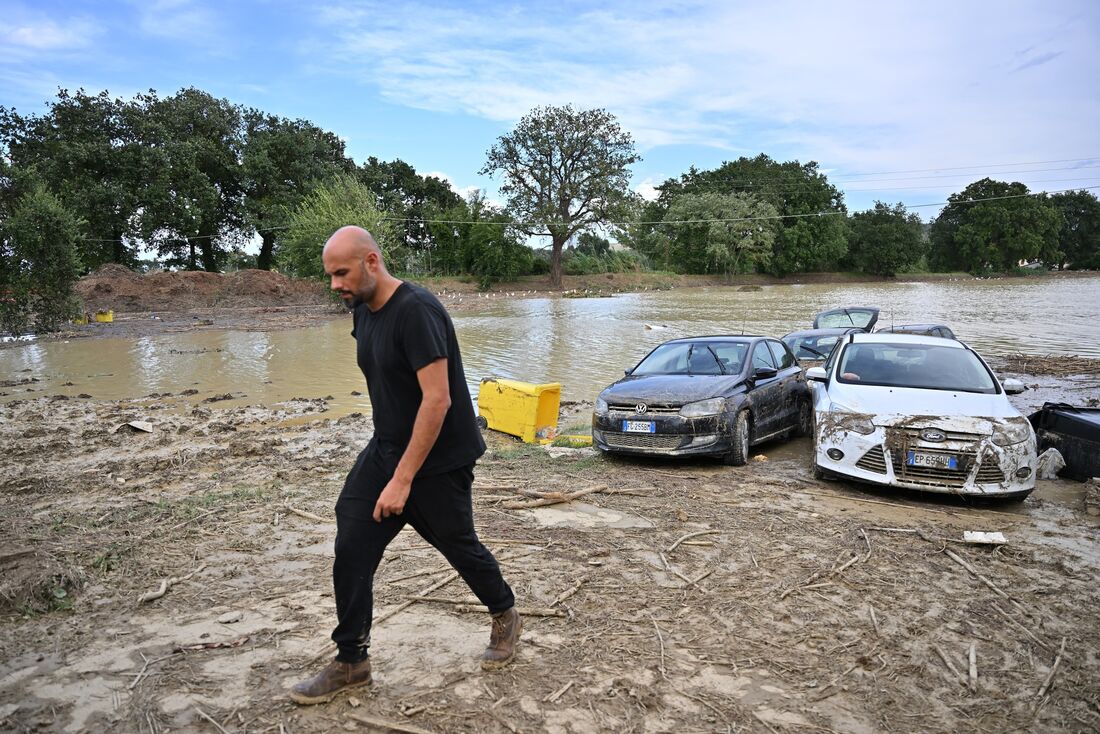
915,365
845,317
694,358
812,347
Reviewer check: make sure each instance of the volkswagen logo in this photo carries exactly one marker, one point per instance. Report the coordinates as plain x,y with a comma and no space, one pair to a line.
933,436
641,408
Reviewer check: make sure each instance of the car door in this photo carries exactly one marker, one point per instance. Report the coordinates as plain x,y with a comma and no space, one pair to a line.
767,391
791,385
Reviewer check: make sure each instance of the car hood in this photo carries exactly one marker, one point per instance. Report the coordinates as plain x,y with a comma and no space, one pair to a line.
669,389
894,406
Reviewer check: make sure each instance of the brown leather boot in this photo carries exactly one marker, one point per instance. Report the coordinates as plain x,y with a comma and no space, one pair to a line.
502,640
336,677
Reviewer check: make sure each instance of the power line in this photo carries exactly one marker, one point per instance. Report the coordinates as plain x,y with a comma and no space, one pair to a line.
828,212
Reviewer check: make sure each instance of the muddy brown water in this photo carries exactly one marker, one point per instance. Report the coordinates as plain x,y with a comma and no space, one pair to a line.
582,343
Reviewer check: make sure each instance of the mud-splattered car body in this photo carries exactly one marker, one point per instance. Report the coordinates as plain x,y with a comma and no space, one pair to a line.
814,345
926,413
713,396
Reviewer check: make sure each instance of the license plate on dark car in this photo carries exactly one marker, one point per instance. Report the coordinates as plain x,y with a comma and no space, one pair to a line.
639,427
932,461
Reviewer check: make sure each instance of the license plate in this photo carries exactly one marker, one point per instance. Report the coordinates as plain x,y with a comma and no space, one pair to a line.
639,427
934,461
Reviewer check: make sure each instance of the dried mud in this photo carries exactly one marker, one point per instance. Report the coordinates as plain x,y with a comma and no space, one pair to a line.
795,606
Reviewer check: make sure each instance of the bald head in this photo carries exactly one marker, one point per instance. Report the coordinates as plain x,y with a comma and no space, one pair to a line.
351,241
353,260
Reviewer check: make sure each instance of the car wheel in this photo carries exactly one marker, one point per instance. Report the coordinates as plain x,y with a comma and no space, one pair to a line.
742,435
482,423
822,475
805,420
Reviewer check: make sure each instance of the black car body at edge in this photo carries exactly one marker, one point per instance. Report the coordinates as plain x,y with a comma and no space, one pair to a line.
729,393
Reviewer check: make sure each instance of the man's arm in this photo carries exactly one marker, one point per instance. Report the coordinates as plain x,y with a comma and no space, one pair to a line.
434,403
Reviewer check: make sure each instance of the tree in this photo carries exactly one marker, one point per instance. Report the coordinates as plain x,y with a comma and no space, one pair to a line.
85,150
715,232
332,204
884,240
39,241
1079,241
811,234
590,243
993,225
476,238
406,195
282,160
564,171
193,198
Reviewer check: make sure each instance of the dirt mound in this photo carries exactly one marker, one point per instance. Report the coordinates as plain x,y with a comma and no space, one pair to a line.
116,287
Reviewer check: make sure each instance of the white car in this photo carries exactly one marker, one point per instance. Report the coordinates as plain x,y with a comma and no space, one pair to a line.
919,412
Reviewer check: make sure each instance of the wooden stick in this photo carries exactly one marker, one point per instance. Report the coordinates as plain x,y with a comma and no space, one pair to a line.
874,620
691,535
568,592
306,515
166,584
523,611
660,639
1053,670
996,589
378,723
973,655
553,697
954,671
553,500
790,591
1023,629
206,716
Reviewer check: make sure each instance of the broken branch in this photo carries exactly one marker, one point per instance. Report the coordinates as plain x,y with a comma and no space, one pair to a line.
950,666
378,723
167,584
306,515
1053,670
554,498
689,536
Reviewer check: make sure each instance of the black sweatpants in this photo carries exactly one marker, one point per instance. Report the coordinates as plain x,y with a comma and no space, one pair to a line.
440,509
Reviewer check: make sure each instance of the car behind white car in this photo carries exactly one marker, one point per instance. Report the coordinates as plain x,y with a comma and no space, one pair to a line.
922,413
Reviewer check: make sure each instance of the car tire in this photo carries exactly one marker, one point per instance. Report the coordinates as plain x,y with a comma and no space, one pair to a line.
482,423
822,475
805,425
742,436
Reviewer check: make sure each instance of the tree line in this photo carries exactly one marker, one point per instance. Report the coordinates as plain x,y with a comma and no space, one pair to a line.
191,179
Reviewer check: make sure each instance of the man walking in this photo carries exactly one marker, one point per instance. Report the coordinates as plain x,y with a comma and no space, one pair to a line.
418,466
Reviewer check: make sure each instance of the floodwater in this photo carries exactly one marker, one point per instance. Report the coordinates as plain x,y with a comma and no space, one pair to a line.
582,343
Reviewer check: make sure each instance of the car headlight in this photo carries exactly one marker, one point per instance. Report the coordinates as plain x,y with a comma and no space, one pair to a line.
714,406
601,406
1011,431
849,420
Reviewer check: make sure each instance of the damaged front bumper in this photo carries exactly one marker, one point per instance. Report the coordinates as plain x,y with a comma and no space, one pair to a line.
963,460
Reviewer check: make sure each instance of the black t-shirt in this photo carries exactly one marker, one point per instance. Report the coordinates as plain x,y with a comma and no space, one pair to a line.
409,332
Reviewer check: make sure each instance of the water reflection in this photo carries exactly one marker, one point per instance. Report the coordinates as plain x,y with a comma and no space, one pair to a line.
582,343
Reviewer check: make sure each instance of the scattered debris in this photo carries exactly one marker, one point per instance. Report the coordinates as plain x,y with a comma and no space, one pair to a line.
135,426
976,537
1050,463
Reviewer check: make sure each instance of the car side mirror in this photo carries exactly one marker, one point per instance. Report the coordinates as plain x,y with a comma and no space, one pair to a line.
817,374
764,373
1013,386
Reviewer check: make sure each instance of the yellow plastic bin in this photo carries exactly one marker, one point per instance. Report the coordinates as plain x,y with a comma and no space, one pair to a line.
105,317
520,408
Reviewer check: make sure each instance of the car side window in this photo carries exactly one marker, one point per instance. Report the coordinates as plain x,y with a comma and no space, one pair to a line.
762,357
781,355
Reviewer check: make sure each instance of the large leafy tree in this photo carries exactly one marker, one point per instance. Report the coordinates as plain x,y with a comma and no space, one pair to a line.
812,234
85,150
564,170
332,204
1079,241
476,238
885,240
282,160
193,199
713,232
406,195
994,225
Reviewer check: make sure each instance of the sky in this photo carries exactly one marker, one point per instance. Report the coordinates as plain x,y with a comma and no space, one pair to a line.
896,102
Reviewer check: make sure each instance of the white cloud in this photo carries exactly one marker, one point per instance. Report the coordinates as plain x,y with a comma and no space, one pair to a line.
48,34
182,20
858,86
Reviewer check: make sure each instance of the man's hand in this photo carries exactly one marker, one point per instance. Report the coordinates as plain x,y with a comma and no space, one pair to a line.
392,500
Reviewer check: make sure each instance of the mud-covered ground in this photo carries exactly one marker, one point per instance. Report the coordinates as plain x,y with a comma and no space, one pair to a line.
682,597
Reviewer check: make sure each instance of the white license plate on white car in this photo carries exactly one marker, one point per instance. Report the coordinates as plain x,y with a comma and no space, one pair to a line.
933,461
639,427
